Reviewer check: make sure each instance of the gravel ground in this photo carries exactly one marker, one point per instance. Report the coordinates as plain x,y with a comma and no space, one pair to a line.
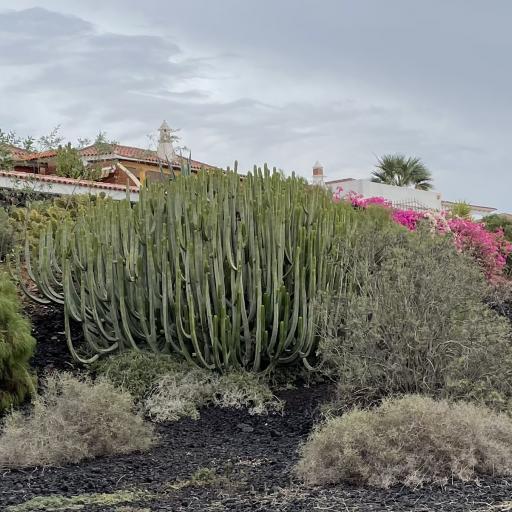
225,461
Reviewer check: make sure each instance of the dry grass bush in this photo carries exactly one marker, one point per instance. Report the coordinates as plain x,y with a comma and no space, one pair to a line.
410,318
244,390
181,394
74,419
169,389
411,440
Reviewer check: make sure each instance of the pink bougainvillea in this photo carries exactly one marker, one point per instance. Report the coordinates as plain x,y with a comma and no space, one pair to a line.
490,249
408,218
358,201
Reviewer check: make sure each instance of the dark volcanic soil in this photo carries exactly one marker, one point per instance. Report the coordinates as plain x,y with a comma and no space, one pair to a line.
249,461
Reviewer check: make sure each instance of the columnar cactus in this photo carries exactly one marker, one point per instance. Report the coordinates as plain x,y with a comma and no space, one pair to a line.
220,269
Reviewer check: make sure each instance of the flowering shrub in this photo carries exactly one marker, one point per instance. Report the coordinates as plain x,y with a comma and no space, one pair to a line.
490,249
408,218
358,201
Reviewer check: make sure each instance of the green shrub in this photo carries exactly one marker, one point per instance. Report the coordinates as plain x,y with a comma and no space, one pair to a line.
7,235
16,348
139,371
412,440
74,419
461,209
496,221
412,320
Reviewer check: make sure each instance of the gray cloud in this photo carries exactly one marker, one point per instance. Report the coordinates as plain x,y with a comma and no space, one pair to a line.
287,82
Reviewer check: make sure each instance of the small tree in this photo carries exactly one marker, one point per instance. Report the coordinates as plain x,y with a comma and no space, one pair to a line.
69,164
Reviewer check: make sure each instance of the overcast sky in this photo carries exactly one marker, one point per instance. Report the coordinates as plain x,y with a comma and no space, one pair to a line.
280,81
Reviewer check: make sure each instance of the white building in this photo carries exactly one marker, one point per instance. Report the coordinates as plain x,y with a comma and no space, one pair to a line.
399,197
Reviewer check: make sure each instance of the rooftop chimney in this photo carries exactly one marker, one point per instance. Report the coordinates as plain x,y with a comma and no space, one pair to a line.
165,149
318,174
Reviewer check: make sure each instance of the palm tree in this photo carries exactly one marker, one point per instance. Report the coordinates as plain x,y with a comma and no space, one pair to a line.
402,172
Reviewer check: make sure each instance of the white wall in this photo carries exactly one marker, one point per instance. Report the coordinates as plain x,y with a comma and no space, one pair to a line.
33,184
398,196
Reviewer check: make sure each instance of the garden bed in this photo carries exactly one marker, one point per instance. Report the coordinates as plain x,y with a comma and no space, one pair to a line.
227,460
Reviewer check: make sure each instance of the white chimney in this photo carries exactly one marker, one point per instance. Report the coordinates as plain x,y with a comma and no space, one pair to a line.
165,149
318,174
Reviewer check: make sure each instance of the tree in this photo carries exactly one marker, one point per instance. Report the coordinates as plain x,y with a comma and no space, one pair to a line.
69,164
403,172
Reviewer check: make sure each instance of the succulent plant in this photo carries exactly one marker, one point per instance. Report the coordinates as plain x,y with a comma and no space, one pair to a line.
218,268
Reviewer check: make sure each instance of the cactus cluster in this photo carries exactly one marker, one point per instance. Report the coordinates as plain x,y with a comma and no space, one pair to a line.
220,269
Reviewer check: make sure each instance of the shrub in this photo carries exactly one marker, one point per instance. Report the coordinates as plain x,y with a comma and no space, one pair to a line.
413,322
489,249
245,390
503,225
412,440
488,242
497,222
6,235
170,389
74,419
181,394
139,371
461,209
16,348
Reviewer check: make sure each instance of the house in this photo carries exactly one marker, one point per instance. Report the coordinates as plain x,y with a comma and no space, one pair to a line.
122,168
399,197
120,165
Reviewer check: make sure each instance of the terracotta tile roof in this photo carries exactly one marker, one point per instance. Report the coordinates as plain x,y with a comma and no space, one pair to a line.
19,153
40,155
67,181
119,151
